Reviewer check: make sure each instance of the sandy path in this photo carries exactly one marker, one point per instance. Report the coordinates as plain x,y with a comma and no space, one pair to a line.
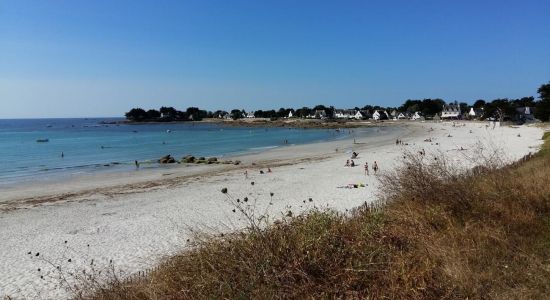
136,219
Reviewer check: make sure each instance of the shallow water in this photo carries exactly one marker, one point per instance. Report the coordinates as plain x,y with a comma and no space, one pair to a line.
88,146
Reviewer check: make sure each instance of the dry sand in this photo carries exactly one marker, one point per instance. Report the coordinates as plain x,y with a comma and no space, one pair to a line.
137,218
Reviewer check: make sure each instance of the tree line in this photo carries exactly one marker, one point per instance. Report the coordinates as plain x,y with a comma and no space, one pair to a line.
167,114
497,108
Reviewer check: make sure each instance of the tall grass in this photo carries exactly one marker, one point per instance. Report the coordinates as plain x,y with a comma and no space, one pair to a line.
444,233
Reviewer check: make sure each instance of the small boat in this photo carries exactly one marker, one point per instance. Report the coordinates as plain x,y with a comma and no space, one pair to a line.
42,140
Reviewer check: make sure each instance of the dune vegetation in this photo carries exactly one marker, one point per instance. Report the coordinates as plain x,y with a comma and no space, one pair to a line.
442,233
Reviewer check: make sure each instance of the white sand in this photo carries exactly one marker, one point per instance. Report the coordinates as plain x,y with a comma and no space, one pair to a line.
137,218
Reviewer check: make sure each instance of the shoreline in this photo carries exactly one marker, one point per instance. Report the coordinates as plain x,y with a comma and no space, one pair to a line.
121,166
140,221
63,188
297,123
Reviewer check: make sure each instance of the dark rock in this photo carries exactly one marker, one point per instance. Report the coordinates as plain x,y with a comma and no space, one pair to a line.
188,159
168,159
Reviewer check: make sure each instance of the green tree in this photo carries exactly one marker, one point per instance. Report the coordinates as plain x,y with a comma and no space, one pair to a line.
542,111
153,114
168,112
479,104
196,114
236,114
136,114
303,112
430,107
463,107
282,113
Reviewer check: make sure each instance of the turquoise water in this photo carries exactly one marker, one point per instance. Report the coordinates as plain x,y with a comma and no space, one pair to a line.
89,146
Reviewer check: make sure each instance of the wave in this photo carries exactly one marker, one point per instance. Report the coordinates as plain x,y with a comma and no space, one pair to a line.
263,148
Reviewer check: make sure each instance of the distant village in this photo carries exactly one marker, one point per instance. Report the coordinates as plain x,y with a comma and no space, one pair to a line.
522,110
518,110
448,111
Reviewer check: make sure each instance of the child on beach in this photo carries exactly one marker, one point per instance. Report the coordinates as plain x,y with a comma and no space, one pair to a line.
375,167
366,168
347,163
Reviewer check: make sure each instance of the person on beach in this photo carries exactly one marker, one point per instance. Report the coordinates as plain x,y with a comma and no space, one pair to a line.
268,170
375,167
366,168
347,163
352,163
136,163
245,174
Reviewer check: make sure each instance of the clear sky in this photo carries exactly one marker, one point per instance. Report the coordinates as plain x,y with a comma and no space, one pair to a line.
102,57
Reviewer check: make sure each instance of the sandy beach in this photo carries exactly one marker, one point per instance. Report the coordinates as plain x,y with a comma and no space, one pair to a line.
134,219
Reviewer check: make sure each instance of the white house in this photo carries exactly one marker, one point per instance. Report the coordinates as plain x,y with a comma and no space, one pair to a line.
290,114
358,115
380,115
250,115
344,113
401,116
340,114
320,114
450,112
472,112
416,116
524,114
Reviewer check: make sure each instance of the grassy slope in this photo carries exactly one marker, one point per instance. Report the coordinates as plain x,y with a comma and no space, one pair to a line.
485,234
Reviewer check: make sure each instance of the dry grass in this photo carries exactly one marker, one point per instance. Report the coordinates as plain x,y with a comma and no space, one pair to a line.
443,234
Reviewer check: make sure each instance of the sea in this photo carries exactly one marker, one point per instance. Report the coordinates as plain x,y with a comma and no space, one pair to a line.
48,149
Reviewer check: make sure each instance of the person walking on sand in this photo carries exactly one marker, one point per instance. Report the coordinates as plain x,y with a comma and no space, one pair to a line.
366,168
375,167
245,174
347,163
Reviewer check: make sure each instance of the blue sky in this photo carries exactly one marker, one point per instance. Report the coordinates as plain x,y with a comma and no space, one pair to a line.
101,58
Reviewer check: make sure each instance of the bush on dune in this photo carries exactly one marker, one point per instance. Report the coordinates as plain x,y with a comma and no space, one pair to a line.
444,233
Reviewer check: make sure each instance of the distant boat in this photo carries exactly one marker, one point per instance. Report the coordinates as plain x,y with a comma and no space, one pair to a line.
168,130
42,140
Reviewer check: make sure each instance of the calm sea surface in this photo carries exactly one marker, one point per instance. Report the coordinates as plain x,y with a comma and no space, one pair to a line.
89,146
